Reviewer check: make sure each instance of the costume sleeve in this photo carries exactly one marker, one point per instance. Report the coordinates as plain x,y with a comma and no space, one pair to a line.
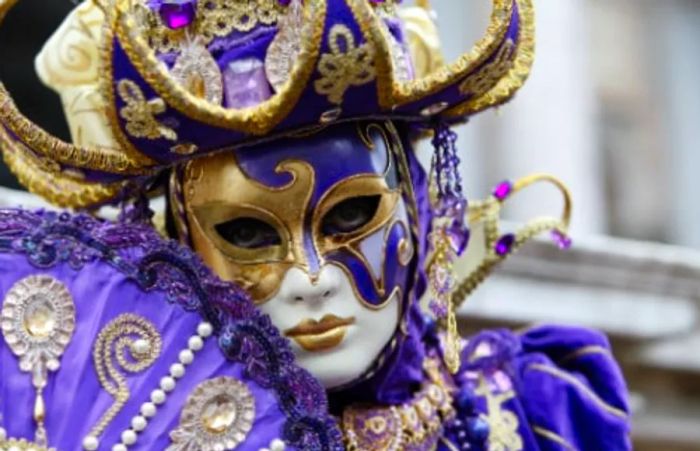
572,390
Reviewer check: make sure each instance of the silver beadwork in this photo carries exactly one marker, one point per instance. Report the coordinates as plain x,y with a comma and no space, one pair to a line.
37,321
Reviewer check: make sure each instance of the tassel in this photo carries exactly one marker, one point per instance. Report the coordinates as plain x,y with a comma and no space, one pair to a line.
449,236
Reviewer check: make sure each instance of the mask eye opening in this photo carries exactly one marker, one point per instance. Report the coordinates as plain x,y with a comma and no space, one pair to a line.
350,215
248,233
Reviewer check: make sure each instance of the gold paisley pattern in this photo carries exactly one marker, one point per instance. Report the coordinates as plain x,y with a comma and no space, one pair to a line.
139,113
346,65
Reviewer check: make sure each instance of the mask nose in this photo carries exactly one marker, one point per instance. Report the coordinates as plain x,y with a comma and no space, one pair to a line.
301,287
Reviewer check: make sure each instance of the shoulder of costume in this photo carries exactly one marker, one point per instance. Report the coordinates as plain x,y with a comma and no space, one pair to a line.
135,340
554,384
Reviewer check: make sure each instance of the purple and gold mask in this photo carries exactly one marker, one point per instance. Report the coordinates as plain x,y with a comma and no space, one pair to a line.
318,230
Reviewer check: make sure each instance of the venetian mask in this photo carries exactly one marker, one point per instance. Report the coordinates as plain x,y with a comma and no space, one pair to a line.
317,229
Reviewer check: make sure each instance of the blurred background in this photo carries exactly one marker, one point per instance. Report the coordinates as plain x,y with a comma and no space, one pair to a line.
613,109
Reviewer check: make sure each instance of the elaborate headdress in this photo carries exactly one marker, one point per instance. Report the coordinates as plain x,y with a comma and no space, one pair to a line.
183,78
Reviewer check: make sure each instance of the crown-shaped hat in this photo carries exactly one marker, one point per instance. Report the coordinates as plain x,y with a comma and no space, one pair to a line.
183,78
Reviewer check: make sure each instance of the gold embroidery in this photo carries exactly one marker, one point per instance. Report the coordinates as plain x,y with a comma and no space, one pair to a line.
199,73
345,66
216,19
503,424
491,73
556,438
139,113
130,333
184,148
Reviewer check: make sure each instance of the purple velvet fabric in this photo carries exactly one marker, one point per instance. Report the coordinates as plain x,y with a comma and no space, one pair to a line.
550,389
111,269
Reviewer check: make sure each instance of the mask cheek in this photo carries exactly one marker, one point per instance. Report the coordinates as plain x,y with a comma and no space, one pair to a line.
377,266
261,280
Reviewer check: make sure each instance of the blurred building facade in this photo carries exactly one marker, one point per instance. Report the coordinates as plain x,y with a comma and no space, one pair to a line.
612,107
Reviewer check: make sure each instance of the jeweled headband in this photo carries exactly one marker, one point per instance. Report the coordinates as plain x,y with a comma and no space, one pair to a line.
303,63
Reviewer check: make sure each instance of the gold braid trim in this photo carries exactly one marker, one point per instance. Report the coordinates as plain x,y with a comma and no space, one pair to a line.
107,89
40,141
257,120
488,213
43,143
392,93
43,177
508,85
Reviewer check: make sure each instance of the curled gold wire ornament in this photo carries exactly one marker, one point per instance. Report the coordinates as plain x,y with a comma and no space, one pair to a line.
500,246
128,344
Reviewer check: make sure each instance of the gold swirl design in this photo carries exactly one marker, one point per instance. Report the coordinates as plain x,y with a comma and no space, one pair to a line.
70,57
114,342
346,65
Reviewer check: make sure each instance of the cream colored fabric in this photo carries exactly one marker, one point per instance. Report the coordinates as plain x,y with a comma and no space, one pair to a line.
69,64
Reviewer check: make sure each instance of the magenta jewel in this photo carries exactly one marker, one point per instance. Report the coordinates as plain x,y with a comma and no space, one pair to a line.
503,190
504,245
562,241
177,14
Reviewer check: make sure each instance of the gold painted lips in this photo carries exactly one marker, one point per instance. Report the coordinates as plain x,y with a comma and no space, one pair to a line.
314,336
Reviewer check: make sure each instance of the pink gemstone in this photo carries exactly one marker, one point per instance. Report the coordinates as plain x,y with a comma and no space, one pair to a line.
504,245
177,13
503,190
561,240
